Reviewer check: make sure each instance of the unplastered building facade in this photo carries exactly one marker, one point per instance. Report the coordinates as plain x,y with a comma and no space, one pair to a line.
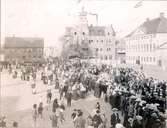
143,42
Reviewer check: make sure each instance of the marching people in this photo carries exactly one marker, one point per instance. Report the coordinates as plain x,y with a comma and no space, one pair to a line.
61,113
3,122
97,119
40,109
74,116
49,96
55,105
141,100
114,117
35,115
54,119
69,98
80,122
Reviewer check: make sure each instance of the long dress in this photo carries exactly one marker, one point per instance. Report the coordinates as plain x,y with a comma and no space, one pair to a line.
54,119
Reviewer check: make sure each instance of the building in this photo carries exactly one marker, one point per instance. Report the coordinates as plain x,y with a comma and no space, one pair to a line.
51,52
142,43
18,49
100,40
162,52
120,51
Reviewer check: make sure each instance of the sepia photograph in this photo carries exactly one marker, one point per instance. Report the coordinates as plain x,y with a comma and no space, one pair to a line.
83,64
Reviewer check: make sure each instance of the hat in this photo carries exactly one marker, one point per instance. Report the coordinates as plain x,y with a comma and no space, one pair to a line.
130,120
133,97
138,100
114,109
154,115
139,117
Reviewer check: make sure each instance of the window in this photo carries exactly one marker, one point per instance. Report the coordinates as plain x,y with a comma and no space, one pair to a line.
97,41
150,47
154,59
150,59
101,49
83,33
154,47
108,33
97,49
101,57
106,57
102,41
75,33
110,57
147,59
89,41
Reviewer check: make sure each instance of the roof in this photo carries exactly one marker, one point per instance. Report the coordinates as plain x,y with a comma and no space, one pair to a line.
96,30
20,42
157,25
163,46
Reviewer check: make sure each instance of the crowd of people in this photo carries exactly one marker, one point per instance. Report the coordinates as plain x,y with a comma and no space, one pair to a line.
135,100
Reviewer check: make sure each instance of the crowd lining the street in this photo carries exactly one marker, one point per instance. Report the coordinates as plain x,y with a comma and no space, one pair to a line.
136,101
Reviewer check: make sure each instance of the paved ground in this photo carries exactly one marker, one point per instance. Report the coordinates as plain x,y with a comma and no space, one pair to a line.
17,100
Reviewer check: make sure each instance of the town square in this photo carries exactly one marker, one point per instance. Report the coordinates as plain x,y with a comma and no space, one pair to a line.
83,64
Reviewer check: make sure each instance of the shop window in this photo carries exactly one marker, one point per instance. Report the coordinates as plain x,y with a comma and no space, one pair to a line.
110,57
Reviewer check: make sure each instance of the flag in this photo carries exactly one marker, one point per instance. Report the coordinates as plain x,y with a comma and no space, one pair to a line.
78,1
139,4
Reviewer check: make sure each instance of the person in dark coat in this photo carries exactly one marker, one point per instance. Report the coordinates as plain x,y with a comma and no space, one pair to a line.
69,98
80,121
114,118
129,123
40,110
138,122
97,119
55,105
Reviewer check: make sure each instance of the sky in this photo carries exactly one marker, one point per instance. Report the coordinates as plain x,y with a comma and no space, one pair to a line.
48,18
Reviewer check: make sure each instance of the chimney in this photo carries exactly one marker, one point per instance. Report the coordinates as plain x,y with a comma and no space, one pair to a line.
161,15
147,20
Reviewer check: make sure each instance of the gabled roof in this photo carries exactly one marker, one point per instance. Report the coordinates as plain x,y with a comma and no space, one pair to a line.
99,30
96,30
20,42
157,25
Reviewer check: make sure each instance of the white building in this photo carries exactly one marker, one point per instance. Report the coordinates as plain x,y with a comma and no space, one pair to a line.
51,52
142,43
162,52
99,39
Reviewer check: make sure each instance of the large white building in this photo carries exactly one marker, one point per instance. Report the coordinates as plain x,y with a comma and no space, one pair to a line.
99,39
142,43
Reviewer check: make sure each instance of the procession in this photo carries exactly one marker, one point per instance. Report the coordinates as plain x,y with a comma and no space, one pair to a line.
83,64
135,101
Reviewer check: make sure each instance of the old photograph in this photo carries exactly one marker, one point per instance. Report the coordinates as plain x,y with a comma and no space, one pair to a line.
83,64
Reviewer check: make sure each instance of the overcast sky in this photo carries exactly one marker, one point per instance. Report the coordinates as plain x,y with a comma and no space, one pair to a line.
48,18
